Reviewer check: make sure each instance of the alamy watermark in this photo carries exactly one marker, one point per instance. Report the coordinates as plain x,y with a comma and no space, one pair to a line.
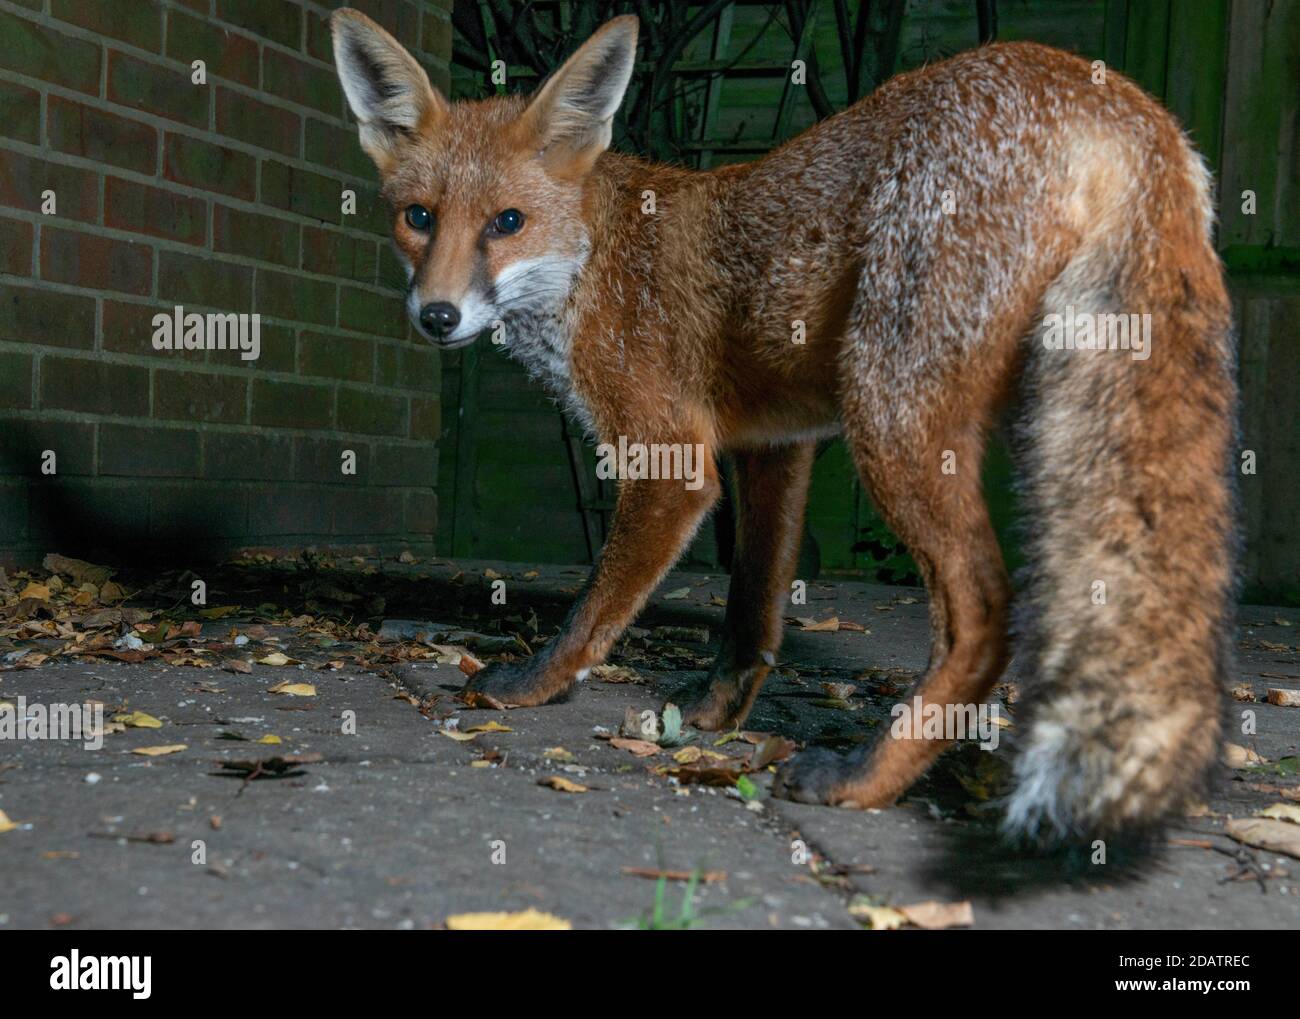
1106,331
918,720
183,330
655,461
24,721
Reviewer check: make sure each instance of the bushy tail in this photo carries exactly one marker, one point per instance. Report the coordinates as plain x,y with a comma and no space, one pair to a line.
1126,624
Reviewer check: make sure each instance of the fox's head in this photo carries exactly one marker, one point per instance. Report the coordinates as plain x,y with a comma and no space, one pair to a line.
486,196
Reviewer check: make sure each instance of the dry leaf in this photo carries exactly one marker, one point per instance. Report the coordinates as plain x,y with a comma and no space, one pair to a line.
490,727
563,785
275,658
639,747
1281,812
236,665
1284,698
1266,833
1237,756
219,611
170,748
459,737
879,918
937,916
293,689
677,594
528,920
5,823
138,720
34,590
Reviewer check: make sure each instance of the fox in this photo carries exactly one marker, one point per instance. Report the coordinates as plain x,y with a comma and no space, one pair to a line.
886,277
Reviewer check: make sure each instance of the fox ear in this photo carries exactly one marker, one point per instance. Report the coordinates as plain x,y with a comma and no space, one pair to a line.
570,116
387,91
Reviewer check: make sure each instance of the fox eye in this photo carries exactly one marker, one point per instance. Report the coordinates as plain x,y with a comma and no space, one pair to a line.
508,222
419,217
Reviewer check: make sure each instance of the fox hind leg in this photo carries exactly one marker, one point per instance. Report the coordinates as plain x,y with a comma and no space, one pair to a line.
942,518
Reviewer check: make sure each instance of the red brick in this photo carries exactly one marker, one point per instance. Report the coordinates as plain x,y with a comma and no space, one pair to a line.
20,112
156,89
47,54
300,82
94,386
105,137
24,178
47,317
195,396
142,208
277,20
16,237
128,329
227,54
149,452
333,253
15,380
202,164
69,256
292,404
257,123
266,238
138,22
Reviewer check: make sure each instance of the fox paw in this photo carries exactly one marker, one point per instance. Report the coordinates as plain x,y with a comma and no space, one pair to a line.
514,685
817,775
710,705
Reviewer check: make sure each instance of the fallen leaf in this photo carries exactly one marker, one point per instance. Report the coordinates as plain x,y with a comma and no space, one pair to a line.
1281,812
639,747
1237,756
293,689
563,785
618,674
275,658
138,720
879,918
170,748
528,920
1284,698
459,737
1266,833
938,916
677,594
236,665
5,823
490,727
40,592
558,754
219,611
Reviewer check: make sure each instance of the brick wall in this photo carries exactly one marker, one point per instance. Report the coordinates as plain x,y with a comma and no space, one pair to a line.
222,197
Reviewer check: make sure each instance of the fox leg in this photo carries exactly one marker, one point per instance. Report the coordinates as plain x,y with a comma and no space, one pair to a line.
653,522
771,487
943,521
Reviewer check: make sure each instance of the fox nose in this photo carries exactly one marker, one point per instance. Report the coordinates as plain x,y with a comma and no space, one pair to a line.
439,318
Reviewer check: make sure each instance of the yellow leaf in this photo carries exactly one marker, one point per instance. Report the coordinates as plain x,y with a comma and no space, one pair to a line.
275,658
557,754
35,590
1281,812
528,920
879,918
490,727
459,737
562,785
937,916
5,823
677,594
170,748
293,689
1237,756
138,720
268,738
1264,833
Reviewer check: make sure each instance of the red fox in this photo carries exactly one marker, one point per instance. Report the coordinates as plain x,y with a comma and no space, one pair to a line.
974,235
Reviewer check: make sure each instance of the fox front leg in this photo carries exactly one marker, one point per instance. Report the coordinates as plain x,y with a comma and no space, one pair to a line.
653,521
